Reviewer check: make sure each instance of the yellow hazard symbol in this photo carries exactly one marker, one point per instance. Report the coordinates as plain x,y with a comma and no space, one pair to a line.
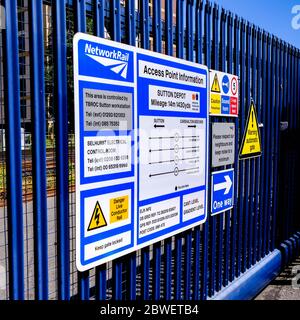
251,143
216,86
98,219
118,209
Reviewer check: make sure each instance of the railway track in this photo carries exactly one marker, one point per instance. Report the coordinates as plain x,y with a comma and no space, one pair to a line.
27,173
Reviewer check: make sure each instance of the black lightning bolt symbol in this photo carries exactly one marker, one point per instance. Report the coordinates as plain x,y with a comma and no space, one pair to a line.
97,216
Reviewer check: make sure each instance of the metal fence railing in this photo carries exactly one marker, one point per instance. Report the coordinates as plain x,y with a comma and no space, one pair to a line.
37,202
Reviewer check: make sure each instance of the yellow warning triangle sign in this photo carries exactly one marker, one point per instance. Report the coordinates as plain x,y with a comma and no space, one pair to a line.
251,143
98,219
216,86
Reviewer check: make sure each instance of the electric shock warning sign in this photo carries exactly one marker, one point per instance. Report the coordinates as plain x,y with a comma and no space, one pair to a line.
141,133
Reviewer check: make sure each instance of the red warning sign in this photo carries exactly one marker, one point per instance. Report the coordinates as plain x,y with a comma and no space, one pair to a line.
234,86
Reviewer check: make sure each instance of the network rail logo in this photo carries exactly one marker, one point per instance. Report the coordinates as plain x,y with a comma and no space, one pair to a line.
101,60
116,60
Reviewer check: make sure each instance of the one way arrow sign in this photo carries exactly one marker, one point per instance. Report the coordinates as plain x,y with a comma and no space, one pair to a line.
224,185
222,191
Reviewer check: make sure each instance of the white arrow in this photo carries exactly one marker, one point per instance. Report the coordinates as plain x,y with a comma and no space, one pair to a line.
224,185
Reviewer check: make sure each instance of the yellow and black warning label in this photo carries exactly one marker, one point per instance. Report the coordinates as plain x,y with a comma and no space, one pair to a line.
118,209
98,218
251,143
216,85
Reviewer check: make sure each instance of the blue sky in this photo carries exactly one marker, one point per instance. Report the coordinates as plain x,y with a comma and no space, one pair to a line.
275,16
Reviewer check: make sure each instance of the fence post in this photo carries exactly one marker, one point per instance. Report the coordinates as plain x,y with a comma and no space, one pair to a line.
13,152
62,152
39,149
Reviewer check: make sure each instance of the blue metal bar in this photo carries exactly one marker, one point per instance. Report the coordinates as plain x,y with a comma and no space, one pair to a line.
253,162
284,106
221,57
207,61
196,269
263,143
168,242
178,269
39,149
100,282
99,17
241,163
83,285
189,30
145,273
80,8
288,151
215,39
116,20
156,25
131,36
131,40
188,234
80,26
198,40
233,265
132,276
179,29
292,169
168,269
187,268
272,140
230,224
276,144
62,150
144,21
169,26
214,262
157,38
281,102
197,233
267,147
156,270
13,153
179,54
257,204
117,279
246,249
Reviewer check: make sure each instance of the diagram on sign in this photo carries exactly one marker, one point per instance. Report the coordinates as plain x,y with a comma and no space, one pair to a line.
172,149
98,219
224,94
251,143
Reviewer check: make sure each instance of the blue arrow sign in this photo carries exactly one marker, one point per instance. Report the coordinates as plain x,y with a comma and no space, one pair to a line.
225,84
222,191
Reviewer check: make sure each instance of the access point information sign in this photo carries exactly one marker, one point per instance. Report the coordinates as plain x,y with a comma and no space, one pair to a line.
141,131
224,94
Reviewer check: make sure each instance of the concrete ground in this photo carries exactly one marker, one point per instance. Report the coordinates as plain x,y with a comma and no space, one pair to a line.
286,286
